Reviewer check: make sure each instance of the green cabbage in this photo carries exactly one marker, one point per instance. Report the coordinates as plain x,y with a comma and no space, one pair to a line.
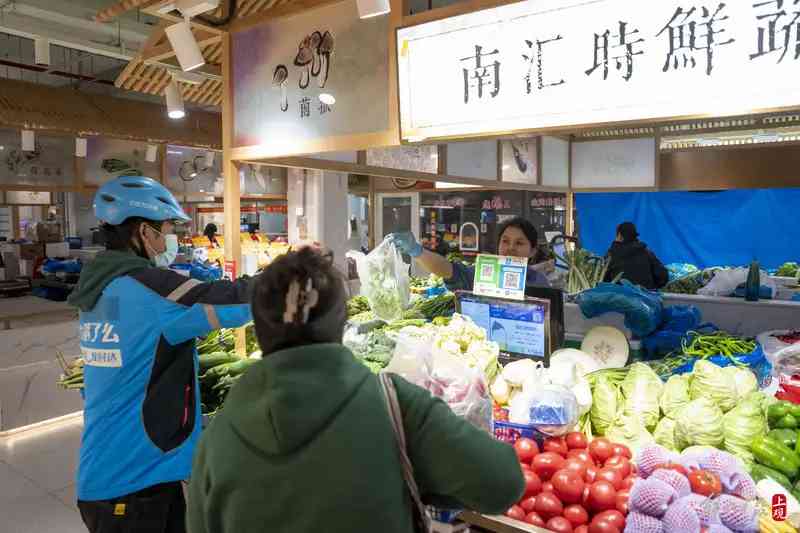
675,395
709,381
604,404
629,429
665,434
641,389
744,380
741,425
699,422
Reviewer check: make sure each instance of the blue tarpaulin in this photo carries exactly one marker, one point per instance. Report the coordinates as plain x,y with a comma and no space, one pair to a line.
726,228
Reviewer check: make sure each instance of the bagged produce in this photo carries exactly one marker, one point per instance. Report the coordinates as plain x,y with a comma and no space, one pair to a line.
641,389
709,381
384,280
675,395
642,308
552,409
699,423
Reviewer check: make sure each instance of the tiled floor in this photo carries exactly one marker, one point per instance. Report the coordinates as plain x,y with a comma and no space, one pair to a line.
37,481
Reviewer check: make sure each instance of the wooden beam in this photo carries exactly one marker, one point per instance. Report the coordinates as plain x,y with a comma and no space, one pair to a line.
230,171
280,11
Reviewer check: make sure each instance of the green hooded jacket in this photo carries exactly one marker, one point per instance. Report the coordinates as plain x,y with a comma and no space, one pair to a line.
105,268
305,444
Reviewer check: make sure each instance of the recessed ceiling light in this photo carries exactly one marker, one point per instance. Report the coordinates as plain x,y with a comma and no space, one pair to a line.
327,99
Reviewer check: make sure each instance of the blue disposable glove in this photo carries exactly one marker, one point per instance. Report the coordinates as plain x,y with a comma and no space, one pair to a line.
406,243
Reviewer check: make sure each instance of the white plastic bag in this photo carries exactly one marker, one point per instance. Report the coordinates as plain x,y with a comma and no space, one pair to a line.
725,282
771,345
412,358
384,280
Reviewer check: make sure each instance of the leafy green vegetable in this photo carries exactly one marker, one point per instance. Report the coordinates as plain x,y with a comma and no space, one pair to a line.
744,380
709,381
604,404
642,388
384,281
699,423
675,395
741,425
788,270
356,305
665,434
629,428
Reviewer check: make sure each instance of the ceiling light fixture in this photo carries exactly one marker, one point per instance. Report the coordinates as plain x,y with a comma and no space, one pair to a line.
372,8
327,99
175,109
210,159
28,141
151,154
41,51
184,44
80,147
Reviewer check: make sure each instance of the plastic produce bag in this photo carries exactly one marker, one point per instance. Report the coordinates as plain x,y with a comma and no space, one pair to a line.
725,282
412,359
679,270
642,308
384,280
552,410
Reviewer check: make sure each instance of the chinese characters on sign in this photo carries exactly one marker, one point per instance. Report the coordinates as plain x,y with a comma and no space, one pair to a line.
693,31
313,61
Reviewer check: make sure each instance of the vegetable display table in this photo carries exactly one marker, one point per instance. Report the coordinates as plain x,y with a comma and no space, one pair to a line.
498,524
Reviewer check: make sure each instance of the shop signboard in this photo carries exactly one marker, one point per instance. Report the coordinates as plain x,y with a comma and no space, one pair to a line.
551,64
500,276
311,82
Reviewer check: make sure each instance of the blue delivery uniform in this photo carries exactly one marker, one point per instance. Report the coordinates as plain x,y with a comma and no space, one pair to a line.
138,325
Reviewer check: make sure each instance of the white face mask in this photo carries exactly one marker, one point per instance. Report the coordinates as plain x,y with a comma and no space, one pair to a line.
167,257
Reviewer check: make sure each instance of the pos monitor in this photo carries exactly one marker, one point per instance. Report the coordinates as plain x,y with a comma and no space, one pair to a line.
521,328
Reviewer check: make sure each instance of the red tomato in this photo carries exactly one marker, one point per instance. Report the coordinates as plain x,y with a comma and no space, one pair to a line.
533,485
581,529
516,513
574,464
576,515
577,441
585,497
556,445
602,496
524,466
601,449
622,501
546,464
548,505
621,450
526,449
602,526
583,455
559,524
568,486
672,466
591,474
612,476
705,483
535,519
528,504
627,483
547,487
614,517
619,463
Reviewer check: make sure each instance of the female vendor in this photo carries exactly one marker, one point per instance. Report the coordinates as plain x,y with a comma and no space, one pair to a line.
517,237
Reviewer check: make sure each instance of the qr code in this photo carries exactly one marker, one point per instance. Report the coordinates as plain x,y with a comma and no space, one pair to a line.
487,271
511,279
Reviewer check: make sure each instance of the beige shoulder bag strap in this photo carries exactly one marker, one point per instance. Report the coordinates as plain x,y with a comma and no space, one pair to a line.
421,518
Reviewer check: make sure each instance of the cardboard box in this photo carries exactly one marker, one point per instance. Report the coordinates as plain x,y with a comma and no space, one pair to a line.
49,232
31,251
56,249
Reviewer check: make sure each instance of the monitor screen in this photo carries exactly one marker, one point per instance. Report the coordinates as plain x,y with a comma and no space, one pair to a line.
520,328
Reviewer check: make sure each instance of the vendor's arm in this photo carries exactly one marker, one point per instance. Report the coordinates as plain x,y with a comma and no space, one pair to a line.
454,462
406,243
200,307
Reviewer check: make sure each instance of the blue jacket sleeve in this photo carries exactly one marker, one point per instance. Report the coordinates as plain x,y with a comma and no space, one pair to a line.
463,278
201,319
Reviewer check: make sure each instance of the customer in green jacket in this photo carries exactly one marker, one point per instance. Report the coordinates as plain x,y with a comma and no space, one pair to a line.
305,444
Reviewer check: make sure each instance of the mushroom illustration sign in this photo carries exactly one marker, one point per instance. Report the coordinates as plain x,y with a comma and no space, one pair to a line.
322,73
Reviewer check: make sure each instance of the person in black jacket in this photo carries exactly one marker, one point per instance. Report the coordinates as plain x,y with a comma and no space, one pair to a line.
631,258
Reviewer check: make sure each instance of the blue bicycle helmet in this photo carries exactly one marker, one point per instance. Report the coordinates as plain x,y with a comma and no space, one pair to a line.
136,196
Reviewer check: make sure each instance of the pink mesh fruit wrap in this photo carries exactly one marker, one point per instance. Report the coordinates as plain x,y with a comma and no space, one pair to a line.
743,486
690,513
651,456
674,479
640,523
651,497
737,514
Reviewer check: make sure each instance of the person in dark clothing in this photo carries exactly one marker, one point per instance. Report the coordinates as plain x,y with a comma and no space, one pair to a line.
631,258
211,233
305,441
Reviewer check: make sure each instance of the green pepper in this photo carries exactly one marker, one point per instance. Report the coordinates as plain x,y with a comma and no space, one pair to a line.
760,472
787,436
775,455
786,422
794,410
778,410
